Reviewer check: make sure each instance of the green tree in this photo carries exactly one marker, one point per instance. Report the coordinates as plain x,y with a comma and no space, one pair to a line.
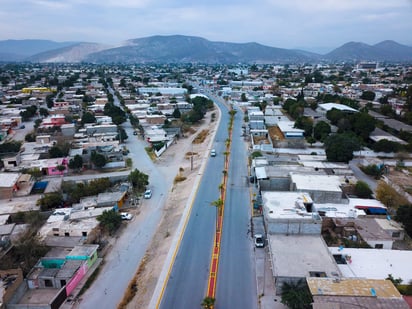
176,113
362,124
50,201
296,295
334,115
340,147
76,163
368,95
110,221
98,159
362,189
306,124
208,302
55,152
404,215
138,179
387,146
321,130
88,118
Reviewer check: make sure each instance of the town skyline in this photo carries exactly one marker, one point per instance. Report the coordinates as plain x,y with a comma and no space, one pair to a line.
317,26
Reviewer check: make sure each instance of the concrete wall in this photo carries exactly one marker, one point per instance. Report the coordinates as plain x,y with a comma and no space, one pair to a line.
387,244
275,184
285,226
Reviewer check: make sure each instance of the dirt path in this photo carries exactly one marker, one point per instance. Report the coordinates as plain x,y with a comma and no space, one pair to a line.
152,264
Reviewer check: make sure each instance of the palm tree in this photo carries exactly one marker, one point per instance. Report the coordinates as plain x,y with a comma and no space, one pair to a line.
208,302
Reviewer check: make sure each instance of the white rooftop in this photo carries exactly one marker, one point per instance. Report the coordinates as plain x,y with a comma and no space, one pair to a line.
7,180
288,126
286,205
376,263
316,182
297,255
341,107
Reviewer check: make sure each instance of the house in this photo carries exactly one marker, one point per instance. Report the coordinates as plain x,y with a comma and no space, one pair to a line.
326,107
8,185
373,263
296,257
354,293
377,233
322,188
289,131
290,213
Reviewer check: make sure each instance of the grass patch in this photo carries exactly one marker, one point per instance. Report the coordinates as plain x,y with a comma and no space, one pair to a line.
132,287
190,154
200,138
179,178
150,153
129,162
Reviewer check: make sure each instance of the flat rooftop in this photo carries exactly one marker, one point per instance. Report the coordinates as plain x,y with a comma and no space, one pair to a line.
352,287
298,255
286,205
7,180
375,263
317,182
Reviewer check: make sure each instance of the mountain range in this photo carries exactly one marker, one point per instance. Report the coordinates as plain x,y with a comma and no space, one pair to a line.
190,49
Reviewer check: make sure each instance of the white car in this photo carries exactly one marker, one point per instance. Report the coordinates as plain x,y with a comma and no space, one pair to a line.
126,216
213,153
147,194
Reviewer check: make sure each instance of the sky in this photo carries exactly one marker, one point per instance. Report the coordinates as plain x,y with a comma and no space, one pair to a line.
314,25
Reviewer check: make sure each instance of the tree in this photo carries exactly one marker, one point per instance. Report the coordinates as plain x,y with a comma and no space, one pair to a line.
334,115
404,215
43,112
55,152
208,302
296,295
50,201
98,159
362,124
362,189
138,179
176,113
321,130
340,147
389,196
88,118
368,95
304,123
76,163
387,146
110,221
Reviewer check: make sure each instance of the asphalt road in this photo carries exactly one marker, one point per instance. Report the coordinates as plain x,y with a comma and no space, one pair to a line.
187,283
236,281
236,285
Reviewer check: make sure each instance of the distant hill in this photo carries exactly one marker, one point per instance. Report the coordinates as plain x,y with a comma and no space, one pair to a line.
190,49
384,51
185,49
20,49
72,53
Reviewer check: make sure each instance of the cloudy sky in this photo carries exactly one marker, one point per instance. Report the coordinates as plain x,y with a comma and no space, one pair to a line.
317,25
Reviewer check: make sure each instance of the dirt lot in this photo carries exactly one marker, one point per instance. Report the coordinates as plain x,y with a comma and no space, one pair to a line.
188,156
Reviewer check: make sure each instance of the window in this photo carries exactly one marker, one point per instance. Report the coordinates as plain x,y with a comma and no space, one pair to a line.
396,234
66,234
378,246
84,234
317,274
48,283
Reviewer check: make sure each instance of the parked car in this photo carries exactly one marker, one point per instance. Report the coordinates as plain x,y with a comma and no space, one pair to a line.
259,240
126,216
147,194
213,153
